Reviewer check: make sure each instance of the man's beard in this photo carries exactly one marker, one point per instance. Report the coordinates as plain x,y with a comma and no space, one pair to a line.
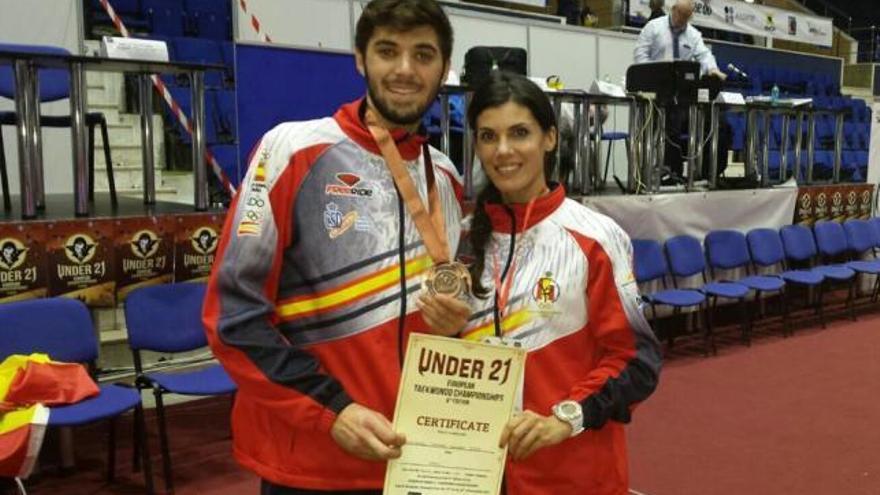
393,115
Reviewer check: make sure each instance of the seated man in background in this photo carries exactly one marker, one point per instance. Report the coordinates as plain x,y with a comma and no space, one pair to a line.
672,37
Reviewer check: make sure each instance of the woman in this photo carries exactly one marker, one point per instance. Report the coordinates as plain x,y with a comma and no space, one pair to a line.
555,277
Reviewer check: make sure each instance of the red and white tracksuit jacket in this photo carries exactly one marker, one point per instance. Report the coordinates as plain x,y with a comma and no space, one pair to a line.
312,296
575,306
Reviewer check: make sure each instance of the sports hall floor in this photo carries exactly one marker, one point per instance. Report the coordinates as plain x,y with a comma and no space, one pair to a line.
796,415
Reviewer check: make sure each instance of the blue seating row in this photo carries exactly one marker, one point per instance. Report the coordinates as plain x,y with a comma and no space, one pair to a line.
163,318
201,18
830,253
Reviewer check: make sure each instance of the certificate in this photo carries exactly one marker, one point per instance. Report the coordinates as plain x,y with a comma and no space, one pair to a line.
454,400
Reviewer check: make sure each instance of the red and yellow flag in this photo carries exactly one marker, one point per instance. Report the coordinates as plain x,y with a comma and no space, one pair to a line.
27,385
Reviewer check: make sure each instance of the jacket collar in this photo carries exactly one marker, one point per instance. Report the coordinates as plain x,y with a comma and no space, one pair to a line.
350,118
544,206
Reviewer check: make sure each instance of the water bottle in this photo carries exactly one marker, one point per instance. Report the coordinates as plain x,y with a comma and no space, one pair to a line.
774,95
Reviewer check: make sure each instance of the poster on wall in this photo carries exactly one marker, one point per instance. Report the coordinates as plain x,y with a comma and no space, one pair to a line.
753,19
866,194
80,257
144,249
840,202
22,261
196,239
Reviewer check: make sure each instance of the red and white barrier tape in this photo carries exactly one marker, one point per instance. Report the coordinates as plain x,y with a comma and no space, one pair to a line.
255,23
172,104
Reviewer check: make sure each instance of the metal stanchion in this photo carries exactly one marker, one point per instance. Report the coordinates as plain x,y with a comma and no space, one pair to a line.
838,146
37,139
714,123
81,170
23,130
145,93
571,179
659,149
798,144
783,152
468,153
765,150
633,157
693,125
200,172
597,150
586,165
811,146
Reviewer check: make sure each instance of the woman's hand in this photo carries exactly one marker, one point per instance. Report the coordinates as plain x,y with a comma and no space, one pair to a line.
529,431
445,315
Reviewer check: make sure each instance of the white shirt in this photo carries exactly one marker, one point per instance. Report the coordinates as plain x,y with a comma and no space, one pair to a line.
655,44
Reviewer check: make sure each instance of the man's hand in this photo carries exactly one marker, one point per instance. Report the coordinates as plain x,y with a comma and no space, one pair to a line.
529,431
445,315
717,73
364,433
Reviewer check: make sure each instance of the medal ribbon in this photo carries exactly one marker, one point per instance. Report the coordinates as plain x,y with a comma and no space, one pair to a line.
503,288
430,222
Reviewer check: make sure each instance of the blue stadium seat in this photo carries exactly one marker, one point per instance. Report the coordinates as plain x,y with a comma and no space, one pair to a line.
215,6
800,247
227,52
168,319
216,26
728,250
686,261
650,265
63,329
765,247
54,85
831,239
202,51
861,240
167,17
225,116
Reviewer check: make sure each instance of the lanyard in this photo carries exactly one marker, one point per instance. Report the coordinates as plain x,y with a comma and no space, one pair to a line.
503,288
429,222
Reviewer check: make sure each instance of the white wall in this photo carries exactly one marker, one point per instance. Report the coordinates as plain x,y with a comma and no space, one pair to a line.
45,22
310,23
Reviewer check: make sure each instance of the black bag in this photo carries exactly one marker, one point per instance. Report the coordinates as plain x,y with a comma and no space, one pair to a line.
480,61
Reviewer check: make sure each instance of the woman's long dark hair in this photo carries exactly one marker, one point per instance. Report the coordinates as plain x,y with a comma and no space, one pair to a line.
499,89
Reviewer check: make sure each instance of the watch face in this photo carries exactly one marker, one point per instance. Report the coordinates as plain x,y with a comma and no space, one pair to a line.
568,409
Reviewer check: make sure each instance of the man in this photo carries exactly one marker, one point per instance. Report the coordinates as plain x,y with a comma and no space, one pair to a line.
314,291
672,37
656,9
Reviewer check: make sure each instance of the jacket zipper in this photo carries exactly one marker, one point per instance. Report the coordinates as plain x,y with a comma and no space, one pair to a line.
402,261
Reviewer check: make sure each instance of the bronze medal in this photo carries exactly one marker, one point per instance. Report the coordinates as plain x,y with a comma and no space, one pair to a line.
451,279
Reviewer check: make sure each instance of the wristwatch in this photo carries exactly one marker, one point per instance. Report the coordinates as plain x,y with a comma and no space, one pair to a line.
570,412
